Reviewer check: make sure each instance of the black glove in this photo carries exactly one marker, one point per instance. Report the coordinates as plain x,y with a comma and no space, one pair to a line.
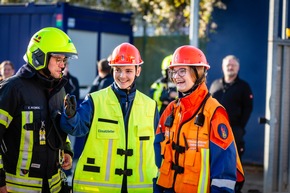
70,105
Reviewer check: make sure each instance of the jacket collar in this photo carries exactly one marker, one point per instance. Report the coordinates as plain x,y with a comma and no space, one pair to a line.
189,104
28,72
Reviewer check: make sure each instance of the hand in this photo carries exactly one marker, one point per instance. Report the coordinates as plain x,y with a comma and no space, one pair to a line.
173,95
70,105
67,162
3,189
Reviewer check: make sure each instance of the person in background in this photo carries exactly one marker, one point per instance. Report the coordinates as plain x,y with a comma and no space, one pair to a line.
236,96
163,91
33,147
120,122
6,69
197,143
72,86
104,77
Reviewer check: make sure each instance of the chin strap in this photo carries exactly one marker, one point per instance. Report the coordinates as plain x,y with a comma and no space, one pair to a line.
197,82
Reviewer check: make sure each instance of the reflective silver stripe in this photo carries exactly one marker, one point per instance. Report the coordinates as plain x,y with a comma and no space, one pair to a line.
32,184
204,171
22,190
55,182
84,183
141,163
22,184
22,180
141,186
5,118
223,183
109,160
26,143
97,184
56,188
55,178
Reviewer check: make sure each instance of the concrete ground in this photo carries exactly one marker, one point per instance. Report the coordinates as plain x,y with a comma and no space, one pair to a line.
254,176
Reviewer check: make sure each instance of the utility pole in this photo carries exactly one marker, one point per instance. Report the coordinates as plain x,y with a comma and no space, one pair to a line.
194,23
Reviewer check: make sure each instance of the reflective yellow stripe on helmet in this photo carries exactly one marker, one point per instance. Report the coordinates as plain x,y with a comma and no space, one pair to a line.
204,172
26,144
5,118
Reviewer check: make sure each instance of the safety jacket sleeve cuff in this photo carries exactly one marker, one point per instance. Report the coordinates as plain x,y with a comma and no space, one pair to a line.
68,149
2,178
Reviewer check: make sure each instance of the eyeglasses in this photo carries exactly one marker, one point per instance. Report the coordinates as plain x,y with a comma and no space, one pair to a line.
59,59
181,72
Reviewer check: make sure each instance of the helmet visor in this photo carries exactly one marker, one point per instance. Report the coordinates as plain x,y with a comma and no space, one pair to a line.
68,55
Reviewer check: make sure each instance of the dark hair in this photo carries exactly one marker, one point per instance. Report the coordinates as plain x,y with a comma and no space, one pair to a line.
103,65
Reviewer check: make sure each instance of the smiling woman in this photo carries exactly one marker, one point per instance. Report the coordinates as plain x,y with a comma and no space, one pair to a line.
196,134
6,69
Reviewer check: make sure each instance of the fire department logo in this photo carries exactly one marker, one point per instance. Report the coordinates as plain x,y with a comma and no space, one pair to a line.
223,131
37,38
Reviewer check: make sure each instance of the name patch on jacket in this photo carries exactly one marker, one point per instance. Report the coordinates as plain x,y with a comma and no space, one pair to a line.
32,107
105,131
223,131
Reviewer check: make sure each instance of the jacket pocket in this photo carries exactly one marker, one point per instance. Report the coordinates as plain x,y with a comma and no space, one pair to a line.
107,129
188,181
166,174
192,167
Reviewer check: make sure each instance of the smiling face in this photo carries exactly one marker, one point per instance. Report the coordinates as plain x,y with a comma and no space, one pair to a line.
182,77
7,70
124,76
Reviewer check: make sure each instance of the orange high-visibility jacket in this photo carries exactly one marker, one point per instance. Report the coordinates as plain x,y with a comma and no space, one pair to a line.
198,157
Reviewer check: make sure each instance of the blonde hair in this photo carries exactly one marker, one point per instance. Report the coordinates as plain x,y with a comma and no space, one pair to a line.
2,66
6,62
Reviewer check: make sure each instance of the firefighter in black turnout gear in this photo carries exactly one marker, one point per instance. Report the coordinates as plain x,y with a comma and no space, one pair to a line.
33,148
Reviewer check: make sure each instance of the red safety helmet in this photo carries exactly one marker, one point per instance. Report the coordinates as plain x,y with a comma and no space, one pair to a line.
189,56
125,54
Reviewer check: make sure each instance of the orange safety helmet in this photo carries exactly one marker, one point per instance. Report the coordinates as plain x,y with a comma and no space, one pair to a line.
125,54
189,56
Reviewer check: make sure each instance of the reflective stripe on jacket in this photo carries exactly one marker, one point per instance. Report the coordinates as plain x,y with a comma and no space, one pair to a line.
101,165
30,141
18,183
190,151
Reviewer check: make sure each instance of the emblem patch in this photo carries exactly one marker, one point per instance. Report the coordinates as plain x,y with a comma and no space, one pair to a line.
223,131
